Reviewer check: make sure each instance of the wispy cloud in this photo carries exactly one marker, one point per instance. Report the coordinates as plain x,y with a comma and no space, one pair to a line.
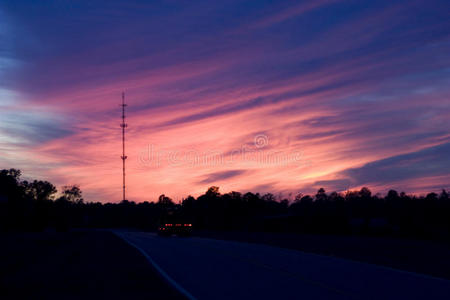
344,87
422,164
292,11
219,176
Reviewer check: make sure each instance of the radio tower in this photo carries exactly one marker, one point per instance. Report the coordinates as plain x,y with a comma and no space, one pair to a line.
123,125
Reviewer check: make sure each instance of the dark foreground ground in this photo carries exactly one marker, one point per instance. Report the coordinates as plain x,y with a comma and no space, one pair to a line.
99,265
76,265
419,256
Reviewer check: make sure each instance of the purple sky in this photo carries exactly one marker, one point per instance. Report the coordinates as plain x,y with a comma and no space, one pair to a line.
262,96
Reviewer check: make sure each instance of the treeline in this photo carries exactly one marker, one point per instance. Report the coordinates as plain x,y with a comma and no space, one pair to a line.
35,206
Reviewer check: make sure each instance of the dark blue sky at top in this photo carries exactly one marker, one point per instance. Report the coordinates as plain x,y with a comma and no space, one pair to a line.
112,31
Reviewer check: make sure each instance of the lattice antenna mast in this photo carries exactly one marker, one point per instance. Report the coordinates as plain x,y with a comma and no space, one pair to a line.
123,125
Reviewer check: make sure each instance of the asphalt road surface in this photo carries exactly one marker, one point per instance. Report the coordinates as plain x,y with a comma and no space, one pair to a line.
215,269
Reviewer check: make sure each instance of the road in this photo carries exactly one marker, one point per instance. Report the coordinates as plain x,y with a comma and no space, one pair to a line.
215,269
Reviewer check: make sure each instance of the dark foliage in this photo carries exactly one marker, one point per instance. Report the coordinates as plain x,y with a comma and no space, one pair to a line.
33,206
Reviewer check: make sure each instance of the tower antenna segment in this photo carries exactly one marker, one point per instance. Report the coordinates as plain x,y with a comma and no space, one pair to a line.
123,157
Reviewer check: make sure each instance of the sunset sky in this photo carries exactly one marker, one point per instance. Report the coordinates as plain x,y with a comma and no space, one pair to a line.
261,96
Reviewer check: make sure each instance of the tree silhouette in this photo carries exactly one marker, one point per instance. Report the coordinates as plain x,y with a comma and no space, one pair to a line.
32,206
40,190
72,193
165,202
